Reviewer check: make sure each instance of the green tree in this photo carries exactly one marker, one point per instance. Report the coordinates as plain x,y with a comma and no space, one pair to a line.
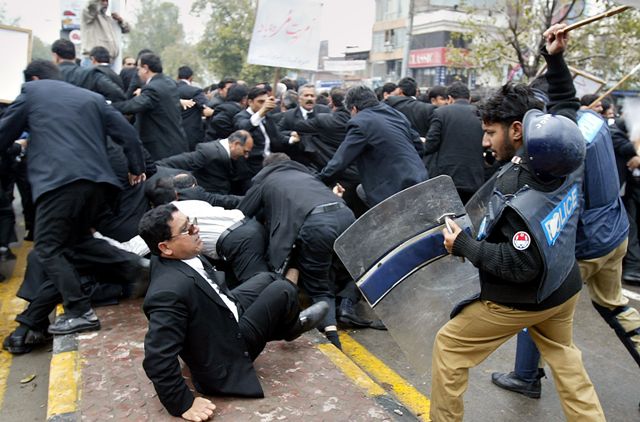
225,43
40,49
156,28
517,39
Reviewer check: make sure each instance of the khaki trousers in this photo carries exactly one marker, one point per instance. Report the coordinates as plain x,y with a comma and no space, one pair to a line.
603,277
481,327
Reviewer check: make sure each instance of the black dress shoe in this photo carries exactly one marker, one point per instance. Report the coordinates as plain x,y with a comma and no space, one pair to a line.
378,325
309,319
347,316
69,325
513,382
20,344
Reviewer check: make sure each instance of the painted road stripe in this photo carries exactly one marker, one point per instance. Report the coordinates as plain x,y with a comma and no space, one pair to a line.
10,306
65,374
407,394
631,295
351,370
64,379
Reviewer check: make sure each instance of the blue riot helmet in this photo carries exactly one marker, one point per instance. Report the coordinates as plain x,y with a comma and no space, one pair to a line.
554,146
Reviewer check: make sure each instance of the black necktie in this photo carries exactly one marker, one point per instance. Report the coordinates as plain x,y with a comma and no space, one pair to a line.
310,115
218,278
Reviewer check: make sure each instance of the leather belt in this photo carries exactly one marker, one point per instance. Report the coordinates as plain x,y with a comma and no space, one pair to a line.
327,207
226,233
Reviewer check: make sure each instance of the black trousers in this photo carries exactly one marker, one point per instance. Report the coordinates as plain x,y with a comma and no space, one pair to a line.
94,259
64,217
270,310
7,218
244,248
314,256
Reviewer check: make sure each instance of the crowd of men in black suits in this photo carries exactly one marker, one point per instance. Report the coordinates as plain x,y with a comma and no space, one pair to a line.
295,172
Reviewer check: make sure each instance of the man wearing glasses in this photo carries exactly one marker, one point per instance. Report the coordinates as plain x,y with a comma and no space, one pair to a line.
216,331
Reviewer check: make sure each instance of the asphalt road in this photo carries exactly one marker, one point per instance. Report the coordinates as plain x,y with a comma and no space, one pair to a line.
612,370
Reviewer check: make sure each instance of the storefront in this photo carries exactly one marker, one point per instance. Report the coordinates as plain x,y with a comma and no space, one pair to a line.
429,67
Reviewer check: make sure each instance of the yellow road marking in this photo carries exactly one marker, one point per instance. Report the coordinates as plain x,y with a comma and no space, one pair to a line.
64,379
406,393
351,370
10,306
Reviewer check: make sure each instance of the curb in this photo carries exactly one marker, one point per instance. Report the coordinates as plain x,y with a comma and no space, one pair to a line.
64,378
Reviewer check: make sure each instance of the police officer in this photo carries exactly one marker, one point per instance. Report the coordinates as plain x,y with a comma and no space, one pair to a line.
525,246
600,247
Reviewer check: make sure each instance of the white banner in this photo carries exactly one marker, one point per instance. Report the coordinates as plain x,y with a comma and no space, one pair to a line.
286,34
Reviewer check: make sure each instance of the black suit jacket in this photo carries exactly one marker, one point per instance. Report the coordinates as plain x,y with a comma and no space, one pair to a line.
210,164
158,117
188,319
286,125
68,127
418,113
382,144
290,117
320,138
455,141
286,192
92,79
220,125
192,117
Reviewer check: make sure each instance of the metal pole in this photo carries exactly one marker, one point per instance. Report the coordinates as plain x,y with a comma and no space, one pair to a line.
407,44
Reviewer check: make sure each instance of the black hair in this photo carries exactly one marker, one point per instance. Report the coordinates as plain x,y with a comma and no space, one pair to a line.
152,61
360,97
236,93
64,48
424,98
142,53
290,84
290,99
224,81
437,91
408,86
587,99
154,226
241,136
458,90
276,157
42,69
162,191
255,92
388,88
101,54
337,96
184,181
509,104
184,72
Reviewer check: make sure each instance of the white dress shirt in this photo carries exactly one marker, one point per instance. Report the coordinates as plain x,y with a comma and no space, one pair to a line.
212,221
258,121
196,264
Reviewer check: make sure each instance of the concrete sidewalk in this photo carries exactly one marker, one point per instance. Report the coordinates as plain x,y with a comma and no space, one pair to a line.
307,379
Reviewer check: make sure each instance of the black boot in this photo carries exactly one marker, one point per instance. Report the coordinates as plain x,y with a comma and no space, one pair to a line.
513,382
348,317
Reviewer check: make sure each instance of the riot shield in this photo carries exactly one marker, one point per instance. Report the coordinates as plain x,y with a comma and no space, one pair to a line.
477,205
395,253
